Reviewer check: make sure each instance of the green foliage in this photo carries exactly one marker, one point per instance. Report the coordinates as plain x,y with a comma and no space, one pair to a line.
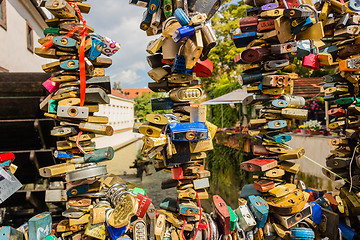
226,177
142,105
230,115
225,24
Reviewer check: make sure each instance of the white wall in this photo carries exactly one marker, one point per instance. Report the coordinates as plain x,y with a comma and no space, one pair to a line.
120,112
14,55
316,148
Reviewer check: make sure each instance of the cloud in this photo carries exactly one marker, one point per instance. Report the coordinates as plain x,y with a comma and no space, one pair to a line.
126,77
120,21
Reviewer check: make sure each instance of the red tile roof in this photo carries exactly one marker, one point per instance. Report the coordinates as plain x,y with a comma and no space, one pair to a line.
307,87
130,93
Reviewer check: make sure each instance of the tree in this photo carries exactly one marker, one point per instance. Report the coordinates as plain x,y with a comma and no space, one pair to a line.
142,105
225,24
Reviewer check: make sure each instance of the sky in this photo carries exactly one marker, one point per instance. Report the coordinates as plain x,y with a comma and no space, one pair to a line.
120,21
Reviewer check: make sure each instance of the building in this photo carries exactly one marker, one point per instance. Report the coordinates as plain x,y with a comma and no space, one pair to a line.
21,25
125,142
131,93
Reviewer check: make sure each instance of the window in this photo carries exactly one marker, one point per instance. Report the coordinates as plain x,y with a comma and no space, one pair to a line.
3,14
29,37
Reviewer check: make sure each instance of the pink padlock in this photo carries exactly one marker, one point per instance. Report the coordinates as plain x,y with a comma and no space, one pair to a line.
311,61
51,86
110,47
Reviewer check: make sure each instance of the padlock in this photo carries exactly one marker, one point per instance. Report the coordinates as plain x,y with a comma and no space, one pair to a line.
312,60
40,226
168,8
292,220
258,165
110,47
60,9
203,68
352,64
283,30
260,210
297,12
96,48
266,25
209,7
157,74
242,40
284,48
8,232
264,185
269,6
252,55
299,25
192,49
181,16
209,40
221,215
252,11
248,24
185,94
155,45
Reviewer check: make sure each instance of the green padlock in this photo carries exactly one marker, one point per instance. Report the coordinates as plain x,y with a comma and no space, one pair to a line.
139,190
233,219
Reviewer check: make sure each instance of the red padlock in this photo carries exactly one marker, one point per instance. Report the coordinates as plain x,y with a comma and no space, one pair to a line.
311,61
177,173
6,157
203,68
288,3
143,205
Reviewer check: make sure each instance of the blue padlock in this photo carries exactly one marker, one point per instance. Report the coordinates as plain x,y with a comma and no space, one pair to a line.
6,164
354,5
70,65
179,64
181,16
63,155
242,40
183,33
346,231
276,124
316,212
146,20
74,191
115,233
323,203
153,6
302,233
96,48
260,209
330,49
279,103
301,27
281,138
64,42
52,106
